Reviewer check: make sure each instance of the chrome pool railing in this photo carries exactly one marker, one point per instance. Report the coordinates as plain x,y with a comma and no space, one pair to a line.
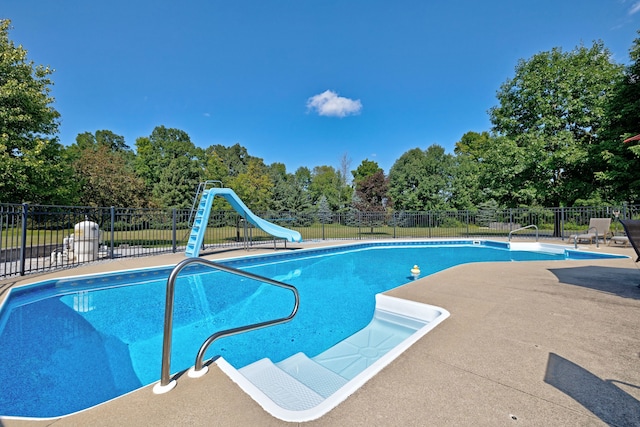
166,384
524,228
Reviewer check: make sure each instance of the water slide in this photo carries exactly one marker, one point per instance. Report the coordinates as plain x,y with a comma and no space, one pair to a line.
202,218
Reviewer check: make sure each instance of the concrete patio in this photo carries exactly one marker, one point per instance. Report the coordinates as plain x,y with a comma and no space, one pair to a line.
527,344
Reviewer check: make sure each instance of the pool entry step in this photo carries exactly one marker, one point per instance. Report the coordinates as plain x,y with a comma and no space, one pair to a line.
299,383
302,388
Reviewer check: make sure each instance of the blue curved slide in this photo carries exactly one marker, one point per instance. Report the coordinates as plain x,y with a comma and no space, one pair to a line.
202,218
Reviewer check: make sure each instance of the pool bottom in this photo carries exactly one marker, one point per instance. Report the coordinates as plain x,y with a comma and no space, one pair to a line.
300,388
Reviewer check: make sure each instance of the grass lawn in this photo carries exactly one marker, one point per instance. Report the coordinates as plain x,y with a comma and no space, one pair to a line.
221,235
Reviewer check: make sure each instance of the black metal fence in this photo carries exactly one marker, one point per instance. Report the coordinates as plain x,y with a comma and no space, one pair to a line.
36,238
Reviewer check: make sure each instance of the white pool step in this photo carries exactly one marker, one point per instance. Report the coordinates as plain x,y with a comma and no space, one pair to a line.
284,383
300,388
312,374
359,351
299,383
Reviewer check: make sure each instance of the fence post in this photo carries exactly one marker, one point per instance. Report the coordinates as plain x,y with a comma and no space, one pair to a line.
174,230
467,222
112,230
23,242
322,222
562,223
395,221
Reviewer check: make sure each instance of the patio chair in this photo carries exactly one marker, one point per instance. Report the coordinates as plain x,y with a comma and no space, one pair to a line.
598,229
632,228
619,240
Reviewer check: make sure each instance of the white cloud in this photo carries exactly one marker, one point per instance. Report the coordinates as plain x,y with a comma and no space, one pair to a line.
635,8
328,103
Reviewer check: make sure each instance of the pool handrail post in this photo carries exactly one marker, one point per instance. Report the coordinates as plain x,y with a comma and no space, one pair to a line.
166,384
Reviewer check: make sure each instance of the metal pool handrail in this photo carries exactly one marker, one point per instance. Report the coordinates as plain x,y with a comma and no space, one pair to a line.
166,384
524,228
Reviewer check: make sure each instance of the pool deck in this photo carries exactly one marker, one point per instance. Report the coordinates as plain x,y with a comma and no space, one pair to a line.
527,344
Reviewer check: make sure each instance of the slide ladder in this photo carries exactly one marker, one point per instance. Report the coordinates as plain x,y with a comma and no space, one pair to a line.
196,237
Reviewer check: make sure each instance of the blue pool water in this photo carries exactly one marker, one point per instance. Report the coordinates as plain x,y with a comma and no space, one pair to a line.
69,344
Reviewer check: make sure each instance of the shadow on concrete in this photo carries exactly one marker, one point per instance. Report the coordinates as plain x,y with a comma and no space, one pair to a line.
603,398
614,280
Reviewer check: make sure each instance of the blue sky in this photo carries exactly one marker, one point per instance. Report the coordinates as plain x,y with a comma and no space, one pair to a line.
300,81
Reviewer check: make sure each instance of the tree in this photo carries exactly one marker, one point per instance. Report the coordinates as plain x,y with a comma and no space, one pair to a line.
302,177
371,187
302,182
557,91
107,138
325,215
287,195
235,158
364,170
170,165
214,168
496,168
177,183
106,180
31,167
254,186
469,169
616,163
421,180
372,194
325,181
509,175
103,166
371,197
553,109
345,164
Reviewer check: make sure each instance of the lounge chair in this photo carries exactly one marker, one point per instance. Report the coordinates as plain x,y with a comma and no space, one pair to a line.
619,240
632,228
598,229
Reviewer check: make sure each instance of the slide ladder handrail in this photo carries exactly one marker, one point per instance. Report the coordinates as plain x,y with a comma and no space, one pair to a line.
524,228
166,383
201,188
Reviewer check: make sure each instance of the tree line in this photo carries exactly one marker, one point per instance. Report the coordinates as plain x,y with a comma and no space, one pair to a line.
556,140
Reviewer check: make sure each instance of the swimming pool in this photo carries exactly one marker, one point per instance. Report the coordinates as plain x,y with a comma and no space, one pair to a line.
69,344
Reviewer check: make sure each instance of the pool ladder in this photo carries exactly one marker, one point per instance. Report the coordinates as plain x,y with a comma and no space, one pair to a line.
166,383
